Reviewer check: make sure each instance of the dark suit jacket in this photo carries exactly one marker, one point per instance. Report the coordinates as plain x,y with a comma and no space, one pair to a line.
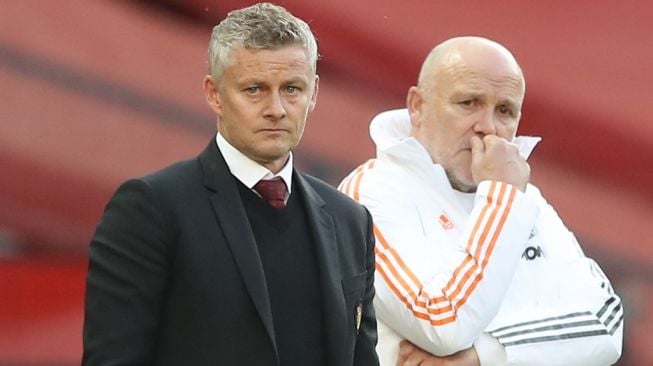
175,277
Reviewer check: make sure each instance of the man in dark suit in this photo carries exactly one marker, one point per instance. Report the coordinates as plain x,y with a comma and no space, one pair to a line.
192,266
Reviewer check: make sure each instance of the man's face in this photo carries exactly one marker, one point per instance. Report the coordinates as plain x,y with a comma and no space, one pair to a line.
262,100
471,96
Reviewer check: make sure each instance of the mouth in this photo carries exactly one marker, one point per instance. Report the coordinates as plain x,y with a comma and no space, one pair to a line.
273,130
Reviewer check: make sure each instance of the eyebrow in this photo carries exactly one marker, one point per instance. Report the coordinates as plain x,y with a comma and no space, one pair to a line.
297,80
249,80
259,81
465,95
511,103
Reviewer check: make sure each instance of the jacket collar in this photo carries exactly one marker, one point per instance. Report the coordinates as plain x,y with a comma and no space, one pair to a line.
390,131
233,221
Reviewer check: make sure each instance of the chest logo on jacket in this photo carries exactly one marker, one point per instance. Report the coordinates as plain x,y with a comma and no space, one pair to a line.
444,220
531,253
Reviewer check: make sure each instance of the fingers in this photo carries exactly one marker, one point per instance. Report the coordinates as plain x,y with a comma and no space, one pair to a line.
494,158
416,358
477,145
406,347
494,142
411,355
405,350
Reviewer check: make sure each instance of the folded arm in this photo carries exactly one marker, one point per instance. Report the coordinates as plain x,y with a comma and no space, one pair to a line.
441,296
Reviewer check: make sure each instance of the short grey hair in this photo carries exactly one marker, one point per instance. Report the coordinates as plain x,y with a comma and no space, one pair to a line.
260,26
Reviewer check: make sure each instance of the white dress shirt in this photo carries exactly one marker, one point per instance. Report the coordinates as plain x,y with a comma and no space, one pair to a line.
249,172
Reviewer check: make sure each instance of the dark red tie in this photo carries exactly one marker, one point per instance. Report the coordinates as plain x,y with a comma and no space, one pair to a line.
273,191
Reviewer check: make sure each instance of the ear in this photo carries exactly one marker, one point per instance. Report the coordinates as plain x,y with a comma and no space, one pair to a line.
212,95
414,104
314,96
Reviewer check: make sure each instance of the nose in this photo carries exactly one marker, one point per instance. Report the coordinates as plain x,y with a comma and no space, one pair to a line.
275,108
485,123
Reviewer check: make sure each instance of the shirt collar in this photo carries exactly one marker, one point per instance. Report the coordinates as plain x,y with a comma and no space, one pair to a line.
246,170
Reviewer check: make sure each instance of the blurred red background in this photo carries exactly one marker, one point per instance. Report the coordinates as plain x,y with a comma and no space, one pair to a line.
97,91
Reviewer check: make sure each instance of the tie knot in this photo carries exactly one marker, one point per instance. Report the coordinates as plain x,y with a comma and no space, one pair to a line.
273,191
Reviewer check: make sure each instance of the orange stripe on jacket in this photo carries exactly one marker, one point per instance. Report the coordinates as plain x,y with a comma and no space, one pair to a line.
386,246
486,230
345,185
417,300
410,294
418,313
474,258
495,237
504,217
470,243
357,184
475,273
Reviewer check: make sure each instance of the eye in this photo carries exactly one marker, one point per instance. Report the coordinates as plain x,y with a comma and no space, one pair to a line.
468,103
292,89
506,111
252,90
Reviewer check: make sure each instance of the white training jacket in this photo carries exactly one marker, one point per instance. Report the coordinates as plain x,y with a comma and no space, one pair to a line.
497,270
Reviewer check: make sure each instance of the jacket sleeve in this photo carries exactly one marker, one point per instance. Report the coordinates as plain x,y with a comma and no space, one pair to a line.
365,353
126,279
438,297
576,320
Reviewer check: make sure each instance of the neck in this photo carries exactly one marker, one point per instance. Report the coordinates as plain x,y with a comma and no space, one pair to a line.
275,166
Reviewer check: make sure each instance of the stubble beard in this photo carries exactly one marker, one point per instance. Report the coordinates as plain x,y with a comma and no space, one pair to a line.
460,184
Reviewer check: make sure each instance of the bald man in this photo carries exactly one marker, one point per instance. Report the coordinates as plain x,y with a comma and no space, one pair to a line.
474,267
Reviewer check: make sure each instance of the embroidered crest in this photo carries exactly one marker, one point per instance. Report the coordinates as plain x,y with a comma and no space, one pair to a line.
359,316
445,222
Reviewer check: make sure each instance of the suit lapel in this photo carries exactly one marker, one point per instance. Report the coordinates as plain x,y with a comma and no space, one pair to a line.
324,233
233,221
